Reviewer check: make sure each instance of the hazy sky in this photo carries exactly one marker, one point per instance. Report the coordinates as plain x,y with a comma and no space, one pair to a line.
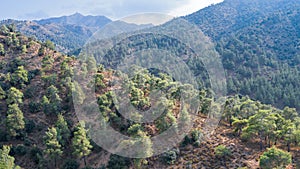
114,9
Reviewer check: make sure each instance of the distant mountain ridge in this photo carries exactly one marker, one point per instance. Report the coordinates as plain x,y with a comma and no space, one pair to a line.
67,32
77,19
230,16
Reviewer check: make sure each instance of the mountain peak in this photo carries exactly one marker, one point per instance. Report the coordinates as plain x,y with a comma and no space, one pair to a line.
77,14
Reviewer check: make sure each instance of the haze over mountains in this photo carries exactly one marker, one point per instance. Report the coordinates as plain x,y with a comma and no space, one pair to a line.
67,32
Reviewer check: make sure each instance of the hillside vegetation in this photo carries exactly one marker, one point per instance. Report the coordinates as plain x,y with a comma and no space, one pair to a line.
40,127
259,45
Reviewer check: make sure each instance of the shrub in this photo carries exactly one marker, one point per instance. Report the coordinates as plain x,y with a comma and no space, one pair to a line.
187,140
170,156
222,151
275,158
195,135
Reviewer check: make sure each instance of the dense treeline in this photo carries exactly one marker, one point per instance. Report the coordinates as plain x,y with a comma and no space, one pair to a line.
259,45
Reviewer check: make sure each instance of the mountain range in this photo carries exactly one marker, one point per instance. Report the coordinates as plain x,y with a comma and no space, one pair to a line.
67,32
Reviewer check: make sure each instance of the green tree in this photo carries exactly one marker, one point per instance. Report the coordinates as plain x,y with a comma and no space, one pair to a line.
53,148
2,93
19,77
2,50
239,124
78,94
81,144
222,151
288,133
52,102
275,158
14,120
63,131
259,125
47,62
24,49
49,45
14,96
289,113
66,71
4,29
7,161
91,64
140,140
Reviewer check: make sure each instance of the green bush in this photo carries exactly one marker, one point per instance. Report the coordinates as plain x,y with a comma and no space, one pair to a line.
170,156
187,140
275,158
222,151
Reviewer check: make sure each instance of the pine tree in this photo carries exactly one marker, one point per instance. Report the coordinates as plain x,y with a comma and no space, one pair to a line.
78,94
81,143
2,51
14,120
14,96
63,132
19,77
275,158
53,148
2,93
7,161
52,102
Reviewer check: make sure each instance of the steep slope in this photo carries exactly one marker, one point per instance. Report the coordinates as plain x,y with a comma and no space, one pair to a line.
232,15
259,45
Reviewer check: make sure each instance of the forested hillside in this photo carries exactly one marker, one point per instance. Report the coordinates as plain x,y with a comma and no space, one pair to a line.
39,128
259,45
